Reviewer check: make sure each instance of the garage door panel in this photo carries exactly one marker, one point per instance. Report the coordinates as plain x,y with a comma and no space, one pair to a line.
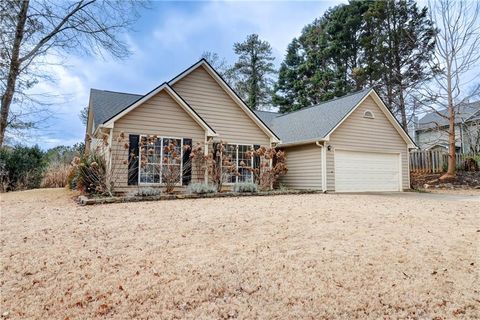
366,171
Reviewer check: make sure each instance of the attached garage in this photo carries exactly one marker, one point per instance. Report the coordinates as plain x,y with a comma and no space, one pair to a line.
357,171
348,144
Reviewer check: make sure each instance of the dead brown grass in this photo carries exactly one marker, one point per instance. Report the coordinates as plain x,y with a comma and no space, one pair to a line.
289,257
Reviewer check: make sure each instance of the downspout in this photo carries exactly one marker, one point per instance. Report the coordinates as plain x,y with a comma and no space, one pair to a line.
324,164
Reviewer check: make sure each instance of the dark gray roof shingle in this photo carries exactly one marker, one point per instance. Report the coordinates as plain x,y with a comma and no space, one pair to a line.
465,112
317,121
267,116
107,104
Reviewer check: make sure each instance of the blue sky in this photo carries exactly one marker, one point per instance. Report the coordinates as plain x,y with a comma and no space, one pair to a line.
168,38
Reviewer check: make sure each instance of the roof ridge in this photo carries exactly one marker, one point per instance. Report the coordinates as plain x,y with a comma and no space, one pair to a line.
267,111
325,102
132,94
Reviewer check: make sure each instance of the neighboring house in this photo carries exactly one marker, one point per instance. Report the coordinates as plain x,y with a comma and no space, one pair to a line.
431,131
352,143
349,144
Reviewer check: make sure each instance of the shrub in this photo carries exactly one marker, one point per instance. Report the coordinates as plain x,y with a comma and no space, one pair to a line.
90,174
245,187
201,188
56,176
265,175
22,167
147,192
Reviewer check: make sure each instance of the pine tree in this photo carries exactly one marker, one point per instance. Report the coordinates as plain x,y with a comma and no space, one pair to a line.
382,44
407,43
294,95
254,68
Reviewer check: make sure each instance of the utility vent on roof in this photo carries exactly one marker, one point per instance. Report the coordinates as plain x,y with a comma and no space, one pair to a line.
368,114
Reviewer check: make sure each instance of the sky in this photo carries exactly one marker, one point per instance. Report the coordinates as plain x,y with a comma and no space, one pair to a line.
168,38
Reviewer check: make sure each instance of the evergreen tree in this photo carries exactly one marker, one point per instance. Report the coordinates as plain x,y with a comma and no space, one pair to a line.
407,43
254,69
383,44
294,94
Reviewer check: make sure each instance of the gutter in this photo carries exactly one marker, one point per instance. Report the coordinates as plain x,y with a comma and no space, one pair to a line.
299,143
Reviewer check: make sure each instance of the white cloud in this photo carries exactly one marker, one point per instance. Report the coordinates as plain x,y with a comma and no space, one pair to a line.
162,49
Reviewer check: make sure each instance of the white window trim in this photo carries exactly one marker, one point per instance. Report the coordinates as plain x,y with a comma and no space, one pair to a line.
147,184
237,163
368,116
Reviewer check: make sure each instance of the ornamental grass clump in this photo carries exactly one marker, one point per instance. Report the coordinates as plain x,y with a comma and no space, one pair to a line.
90,174
56,176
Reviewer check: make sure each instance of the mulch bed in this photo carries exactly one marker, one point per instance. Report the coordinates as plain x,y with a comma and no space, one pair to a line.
463,180
85,201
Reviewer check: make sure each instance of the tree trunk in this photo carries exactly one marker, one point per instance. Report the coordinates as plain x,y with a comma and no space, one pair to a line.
403,112
451,171
7,97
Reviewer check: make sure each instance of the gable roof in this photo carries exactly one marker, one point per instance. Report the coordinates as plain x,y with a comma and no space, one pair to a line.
181,102
465,112
318,122
106,104
233,95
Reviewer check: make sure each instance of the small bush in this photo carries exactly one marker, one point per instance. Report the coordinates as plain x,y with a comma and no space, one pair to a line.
245,187
148,192
56,176
201,188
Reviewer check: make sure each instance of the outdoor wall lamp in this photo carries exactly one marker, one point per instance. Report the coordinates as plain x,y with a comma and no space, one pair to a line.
329,148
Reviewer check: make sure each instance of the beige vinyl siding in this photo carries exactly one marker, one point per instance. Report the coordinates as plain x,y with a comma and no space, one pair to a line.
304,165
371,135
216,107
161,116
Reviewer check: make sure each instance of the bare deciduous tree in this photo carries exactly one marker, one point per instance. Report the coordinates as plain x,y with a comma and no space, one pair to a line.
32,32
457,54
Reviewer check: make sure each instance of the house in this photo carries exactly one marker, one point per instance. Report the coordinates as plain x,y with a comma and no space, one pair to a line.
352,143
431,131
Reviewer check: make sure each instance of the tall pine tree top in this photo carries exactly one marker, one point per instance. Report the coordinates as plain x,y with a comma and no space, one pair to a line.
254,68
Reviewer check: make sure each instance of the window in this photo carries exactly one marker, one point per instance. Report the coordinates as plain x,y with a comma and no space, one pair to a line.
152,152
172,159
237,155
368,114
244,174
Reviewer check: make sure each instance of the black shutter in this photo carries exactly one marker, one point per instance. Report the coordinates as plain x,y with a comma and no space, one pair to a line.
133,158
256,164
256,158
186,163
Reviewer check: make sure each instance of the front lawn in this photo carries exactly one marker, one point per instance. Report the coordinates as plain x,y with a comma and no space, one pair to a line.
319,256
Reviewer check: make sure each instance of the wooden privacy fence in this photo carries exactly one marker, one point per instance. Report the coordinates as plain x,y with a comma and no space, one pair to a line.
429,161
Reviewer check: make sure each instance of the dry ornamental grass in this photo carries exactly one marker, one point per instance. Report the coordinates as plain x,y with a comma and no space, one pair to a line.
410,256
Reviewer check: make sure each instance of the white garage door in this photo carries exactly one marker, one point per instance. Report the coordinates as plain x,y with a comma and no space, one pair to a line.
366,171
